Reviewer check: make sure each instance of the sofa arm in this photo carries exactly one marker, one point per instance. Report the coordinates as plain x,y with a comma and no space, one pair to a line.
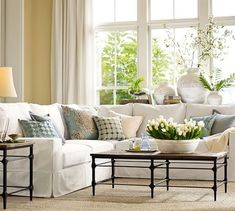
47,153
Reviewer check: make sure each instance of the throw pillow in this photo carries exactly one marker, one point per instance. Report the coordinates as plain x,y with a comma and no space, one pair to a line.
80,123
43,129
222,123
208,121
46,117
109,128
130,124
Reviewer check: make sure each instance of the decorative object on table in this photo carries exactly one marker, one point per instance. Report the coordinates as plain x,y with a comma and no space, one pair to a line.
171,100
4,121
175,138
7,89
190,88
135,89
145,144
134,144
162,90
214,85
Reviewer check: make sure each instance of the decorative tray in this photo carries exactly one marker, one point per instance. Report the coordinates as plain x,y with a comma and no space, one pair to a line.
141,151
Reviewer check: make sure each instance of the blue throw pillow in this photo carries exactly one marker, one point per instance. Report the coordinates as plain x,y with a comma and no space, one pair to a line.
208,121
80,123
44,129
43,118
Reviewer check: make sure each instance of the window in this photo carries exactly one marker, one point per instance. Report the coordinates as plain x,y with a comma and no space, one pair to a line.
116,64
132,40
170,62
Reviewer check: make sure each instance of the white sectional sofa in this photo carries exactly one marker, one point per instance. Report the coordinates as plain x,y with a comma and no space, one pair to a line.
60,169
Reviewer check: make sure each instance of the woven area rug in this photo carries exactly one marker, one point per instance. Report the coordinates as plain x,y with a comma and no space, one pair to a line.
125,198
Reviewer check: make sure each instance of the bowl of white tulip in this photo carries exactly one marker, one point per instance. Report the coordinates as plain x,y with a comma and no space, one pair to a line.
175,138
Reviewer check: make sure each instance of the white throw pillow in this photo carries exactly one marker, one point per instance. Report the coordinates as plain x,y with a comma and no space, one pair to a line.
130,124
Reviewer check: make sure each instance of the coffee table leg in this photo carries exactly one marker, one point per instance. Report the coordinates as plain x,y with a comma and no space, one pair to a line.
152,178
4,193
167,175
31,173
113,171
93,165
225,174
215,179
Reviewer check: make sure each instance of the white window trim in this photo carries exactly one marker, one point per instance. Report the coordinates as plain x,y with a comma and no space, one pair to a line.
144,25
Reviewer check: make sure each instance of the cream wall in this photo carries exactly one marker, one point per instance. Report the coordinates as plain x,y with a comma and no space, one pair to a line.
37,42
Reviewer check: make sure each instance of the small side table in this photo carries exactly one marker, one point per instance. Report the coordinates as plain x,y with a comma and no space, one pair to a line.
5,147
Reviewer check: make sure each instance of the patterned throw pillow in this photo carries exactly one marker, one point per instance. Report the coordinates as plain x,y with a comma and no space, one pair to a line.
46,117
80,123
208,121
43,129
109,128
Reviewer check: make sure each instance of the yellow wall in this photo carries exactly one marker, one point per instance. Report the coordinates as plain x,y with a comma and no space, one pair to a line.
38,14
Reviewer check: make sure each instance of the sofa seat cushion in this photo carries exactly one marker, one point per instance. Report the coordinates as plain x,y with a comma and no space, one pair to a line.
75,154
94,145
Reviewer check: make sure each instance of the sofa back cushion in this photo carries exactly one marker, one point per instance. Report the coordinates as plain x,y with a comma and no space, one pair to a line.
149,112
194,110
103,110
14,112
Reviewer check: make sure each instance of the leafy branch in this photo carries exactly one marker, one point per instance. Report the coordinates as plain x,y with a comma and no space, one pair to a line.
218,85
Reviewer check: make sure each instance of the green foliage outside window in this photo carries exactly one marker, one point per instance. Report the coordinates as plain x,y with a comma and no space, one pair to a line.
119,65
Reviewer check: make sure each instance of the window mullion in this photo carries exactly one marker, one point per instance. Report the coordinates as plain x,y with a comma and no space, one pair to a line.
142,22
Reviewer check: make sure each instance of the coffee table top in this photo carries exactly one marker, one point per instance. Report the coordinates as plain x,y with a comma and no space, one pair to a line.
159,156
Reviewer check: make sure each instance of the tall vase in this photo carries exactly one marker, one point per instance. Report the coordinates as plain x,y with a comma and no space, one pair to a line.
214,98
190,89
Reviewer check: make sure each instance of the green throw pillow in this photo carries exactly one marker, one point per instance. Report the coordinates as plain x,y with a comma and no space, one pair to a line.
80,123
109,128
222,123
43,129
208,121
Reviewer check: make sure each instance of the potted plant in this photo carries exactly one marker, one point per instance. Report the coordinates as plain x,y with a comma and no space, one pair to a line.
135,87
214,98
175,138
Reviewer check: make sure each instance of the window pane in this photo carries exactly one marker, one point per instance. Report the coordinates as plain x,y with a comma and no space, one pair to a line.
186,9
105,58
106,97
116,60
103,11
126,10
126,52
161,9
122,94
173,9
223,7
172,54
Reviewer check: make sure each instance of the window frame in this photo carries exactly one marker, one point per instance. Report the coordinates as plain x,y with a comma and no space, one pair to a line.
144,25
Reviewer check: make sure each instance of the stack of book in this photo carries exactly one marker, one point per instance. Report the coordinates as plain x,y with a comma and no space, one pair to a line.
171,100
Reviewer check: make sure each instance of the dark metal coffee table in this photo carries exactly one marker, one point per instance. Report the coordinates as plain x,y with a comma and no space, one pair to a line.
159,160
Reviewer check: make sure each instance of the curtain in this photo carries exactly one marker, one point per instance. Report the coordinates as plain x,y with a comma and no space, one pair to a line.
72,54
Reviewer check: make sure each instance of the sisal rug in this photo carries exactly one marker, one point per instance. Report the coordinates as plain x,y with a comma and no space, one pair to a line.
125,198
